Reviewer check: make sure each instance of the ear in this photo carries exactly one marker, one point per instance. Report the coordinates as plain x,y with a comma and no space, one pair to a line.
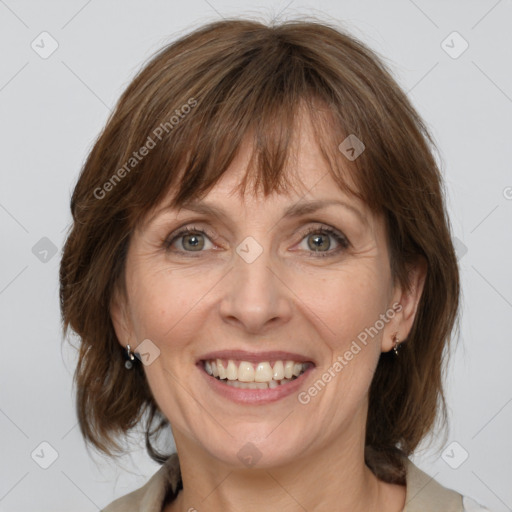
120,318
405,304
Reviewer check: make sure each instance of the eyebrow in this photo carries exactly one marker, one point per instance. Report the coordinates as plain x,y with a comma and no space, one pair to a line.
296,210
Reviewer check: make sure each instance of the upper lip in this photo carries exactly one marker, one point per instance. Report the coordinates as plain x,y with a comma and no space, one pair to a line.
256,357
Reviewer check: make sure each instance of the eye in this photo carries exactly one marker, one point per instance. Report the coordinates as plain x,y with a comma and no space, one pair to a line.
319,244
192,239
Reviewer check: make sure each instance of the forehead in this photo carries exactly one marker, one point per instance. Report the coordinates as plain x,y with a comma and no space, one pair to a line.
305,169
311,189
309,173
307,176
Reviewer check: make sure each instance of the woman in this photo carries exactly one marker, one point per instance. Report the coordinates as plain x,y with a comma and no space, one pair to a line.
295,346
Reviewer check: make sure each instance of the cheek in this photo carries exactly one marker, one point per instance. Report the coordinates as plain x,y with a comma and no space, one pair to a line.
344,302
164,303
344,307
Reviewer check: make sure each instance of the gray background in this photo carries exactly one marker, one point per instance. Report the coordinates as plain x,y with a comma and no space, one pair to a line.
51,110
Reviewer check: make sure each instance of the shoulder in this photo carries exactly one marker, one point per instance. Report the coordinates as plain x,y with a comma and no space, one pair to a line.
425,494
471,505
151,496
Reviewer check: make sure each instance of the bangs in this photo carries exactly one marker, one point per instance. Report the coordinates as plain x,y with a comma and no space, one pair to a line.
271,168
262,98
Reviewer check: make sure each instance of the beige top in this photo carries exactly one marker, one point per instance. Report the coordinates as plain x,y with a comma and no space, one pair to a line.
423,493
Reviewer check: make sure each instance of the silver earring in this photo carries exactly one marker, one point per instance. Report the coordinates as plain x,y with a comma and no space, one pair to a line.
130,357
397,344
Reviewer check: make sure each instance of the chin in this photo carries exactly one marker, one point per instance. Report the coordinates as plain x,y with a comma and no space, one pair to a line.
256,446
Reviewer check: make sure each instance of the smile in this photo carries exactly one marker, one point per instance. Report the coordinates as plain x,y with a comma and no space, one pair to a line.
255,378
248,375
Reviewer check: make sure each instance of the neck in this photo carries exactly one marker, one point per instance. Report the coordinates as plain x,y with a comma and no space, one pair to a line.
334,477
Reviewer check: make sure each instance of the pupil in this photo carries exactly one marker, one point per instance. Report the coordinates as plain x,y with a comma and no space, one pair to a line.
194,241
317,241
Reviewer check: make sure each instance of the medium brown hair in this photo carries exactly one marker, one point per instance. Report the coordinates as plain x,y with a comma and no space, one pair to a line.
191,107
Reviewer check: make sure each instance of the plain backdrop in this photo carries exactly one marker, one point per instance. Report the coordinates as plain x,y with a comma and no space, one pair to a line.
52,107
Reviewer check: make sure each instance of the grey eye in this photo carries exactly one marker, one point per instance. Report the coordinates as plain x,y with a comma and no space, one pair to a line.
195,241
319,242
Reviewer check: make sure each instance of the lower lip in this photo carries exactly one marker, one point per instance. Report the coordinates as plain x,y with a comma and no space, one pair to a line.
254,396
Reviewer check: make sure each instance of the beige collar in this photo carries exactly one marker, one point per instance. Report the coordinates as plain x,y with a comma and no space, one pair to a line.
423,493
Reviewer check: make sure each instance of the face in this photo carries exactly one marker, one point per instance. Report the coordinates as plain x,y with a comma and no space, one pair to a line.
301,303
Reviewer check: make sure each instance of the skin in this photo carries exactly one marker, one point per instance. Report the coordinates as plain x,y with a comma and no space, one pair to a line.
290,298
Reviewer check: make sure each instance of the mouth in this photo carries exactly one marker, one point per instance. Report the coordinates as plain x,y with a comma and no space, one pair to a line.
244,370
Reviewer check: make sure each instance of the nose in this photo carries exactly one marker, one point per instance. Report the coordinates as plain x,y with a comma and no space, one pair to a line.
257,298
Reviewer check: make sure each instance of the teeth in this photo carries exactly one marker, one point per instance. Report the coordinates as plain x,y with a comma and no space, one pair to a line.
231,372
245,371
260,376
297,369
278,370
255,385
222,370
263,372
288,369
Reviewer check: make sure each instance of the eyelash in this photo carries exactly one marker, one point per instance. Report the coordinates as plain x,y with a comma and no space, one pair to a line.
341,239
